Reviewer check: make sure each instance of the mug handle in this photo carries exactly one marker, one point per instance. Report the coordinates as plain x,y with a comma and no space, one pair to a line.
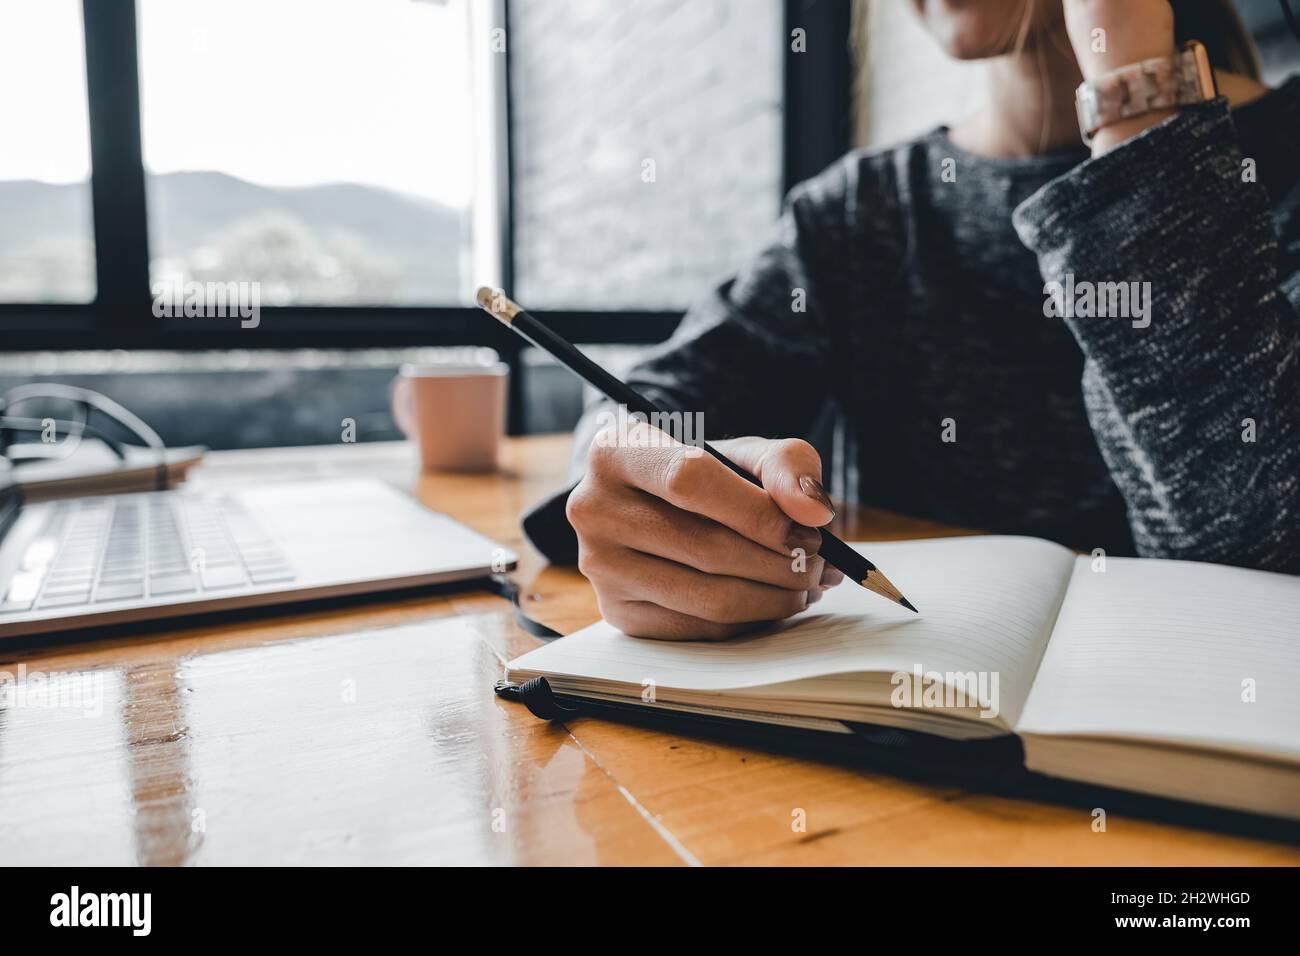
399,398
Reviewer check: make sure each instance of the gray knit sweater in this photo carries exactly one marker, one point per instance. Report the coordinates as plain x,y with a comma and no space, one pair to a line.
943,307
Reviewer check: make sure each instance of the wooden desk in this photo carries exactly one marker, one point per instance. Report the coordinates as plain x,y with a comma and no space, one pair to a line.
370,734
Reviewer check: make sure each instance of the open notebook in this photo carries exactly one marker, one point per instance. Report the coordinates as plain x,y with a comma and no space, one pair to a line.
1165,677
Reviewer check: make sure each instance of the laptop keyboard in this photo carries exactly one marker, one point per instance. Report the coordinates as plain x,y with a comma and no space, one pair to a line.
136,547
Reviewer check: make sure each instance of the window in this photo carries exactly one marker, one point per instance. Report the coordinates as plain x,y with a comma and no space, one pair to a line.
47,248
324,149
350,158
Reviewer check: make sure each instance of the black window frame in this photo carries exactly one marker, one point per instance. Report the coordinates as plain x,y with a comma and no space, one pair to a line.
817,121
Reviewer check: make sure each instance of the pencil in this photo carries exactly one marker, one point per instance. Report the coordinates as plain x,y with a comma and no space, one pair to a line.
836,552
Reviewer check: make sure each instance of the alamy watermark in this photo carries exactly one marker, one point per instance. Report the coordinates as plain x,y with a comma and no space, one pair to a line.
133,911
667,429
1098,300
174,298
74,690
924,689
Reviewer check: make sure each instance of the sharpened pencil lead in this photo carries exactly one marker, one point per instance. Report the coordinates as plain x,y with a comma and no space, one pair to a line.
877,582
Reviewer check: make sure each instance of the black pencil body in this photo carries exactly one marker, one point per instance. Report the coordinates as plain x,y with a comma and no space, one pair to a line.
833,550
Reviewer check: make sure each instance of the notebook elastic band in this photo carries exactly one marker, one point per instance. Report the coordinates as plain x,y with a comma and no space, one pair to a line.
537,696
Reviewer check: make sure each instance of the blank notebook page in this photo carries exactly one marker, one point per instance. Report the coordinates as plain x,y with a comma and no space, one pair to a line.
987,604
1159,650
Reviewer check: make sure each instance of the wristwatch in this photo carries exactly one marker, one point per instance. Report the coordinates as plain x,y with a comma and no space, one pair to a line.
1159,83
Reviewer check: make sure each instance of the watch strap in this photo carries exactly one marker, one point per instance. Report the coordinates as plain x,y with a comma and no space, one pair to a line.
1161,82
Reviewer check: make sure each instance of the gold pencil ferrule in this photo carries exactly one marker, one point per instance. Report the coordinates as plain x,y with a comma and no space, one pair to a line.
497,303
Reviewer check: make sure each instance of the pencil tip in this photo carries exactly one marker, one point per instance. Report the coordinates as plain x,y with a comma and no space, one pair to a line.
877,582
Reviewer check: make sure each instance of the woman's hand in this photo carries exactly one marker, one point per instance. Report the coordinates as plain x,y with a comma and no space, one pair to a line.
1130,31
679,547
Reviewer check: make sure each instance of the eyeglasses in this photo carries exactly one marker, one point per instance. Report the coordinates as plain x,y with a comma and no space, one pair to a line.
30,438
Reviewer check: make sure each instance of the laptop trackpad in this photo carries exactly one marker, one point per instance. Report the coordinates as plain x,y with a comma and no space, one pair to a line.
364,529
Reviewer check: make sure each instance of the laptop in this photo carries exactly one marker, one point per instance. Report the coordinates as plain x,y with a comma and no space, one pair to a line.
107,559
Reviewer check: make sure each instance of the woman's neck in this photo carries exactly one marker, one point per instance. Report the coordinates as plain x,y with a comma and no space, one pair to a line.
1030,104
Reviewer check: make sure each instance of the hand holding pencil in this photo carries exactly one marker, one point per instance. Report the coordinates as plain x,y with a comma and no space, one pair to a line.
678,546
690,543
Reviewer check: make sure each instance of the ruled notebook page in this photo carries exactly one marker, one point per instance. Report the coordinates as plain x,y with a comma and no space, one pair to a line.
1159,650
987,604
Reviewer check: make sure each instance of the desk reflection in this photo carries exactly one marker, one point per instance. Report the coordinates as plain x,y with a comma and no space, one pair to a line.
380,747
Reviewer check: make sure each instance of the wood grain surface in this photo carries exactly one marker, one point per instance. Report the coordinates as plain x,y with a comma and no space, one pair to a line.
367,732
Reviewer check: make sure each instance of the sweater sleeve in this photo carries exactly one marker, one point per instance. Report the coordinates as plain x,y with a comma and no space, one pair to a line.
752,358
1196,403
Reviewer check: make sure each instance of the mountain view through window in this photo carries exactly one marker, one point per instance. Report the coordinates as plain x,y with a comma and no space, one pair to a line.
360,193
47,246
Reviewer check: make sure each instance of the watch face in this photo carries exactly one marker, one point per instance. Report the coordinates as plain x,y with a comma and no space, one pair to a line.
1196,59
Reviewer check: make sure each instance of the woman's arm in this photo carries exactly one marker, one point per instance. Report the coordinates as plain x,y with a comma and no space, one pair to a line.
1196,406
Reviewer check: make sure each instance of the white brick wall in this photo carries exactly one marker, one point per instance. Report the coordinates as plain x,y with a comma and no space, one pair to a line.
597,87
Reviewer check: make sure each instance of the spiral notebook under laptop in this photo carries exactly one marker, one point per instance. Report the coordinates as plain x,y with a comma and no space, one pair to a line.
1171,678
